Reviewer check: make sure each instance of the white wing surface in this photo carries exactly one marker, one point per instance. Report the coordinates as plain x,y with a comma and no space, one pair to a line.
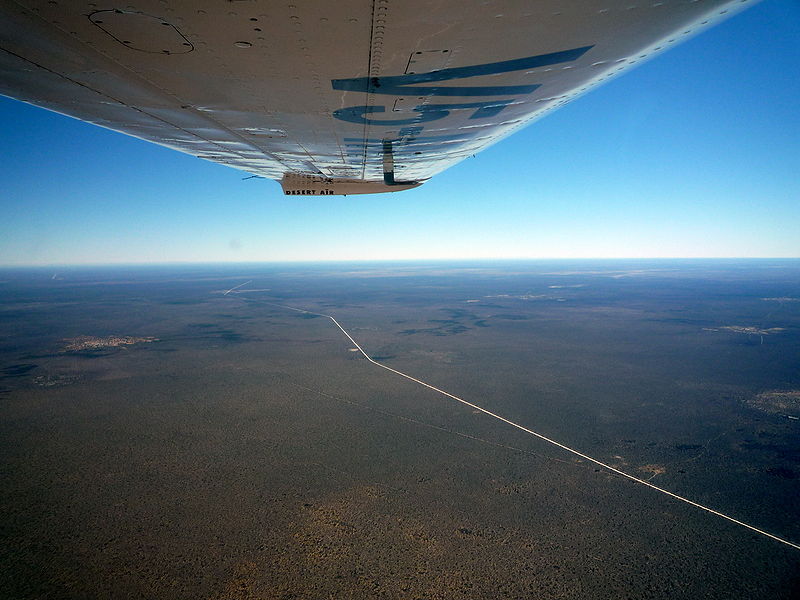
330,97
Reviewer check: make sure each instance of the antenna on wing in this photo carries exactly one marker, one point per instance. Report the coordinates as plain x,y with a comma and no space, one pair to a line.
252,177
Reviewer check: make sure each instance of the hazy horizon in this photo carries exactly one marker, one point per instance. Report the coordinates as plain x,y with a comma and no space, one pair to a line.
408,261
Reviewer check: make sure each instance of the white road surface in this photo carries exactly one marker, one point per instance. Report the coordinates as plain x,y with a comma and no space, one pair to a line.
237,287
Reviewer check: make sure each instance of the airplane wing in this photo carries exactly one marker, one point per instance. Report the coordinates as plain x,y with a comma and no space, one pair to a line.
344,97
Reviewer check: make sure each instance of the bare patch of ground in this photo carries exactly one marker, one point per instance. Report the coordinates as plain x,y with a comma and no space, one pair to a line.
88,342
55,380
653,470
746,329
781,402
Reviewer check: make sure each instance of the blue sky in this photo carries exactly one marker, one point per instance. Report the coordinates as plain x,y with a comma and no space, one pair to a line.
694,154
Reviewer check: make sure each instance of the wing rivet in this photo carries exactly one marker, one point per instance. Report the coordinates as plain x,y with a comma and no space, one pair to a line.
243,44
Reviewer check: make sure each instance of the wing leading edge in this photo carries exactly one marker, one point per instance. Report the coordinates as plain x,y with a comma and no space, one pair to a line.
356,96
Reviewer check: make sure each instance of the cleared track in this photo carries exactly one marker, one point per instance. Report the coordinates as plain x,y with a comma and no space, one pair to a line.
542,437
237,287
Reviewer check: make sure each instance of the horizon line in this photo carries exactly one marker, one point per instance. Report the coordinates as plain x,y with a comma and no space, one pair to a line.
392,261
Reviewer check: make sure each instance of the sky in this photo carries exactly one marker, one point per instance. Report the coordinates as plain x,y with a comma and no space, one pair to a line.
696,153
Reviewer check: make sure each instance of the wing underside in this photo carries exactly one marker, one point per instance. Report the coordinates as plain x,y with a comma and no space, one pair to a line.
353,96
